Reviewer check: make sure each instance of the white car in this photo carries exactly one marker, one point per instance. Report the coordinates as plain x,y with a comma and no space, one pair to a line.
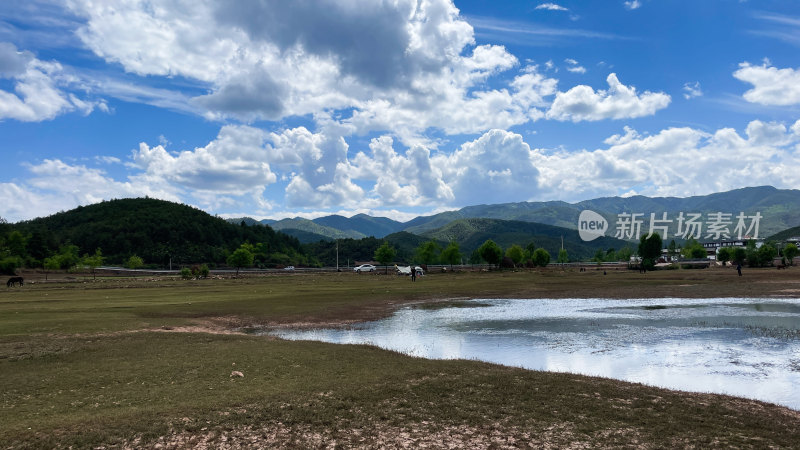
288,268
364,268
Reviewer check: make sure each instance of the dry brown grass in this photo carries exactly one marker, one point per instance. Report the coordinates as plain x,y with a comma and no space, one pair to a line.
127,363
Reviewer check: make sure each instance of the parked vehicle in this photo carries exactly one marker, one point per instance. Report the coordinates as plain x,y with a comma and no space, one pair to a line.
288,268
364,268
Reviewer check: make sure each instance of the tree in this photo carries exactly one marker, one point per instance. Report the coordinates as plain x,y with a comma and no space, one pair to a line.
93,261
650,249
789,252
451,254
16,244
52,263
541,257
428,252
241,257
68,256
529,249
739,255
766,254
699,252
599,256
40,243
751,253
672,249
624,254
134,262
694,250
724,254
563,256
516,253
385,254
491,252
475,257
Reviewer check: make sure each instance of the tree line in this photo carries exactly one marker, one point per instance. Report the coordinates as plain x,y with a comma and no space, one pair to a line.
432,252
650,250
152,233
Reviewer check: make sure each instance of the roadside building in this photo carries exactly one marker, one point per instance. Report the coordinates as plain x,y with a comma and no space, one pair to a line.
712,248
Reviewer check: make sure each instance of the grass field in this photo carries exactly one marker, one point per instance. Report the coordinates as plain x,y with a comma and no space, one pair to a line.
140,363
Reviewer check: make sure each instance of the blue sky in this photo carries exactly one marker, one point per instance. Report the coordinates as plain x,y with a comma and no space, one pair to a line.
396,108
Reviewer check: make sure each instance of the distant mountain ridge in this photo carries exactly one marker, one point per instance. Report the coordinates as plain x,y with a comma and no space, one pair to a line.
309,226
779,208
331,227
362,223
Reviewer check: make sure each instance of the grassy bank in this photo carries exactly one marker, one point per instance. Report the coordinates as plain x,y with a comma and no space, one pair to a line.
100,364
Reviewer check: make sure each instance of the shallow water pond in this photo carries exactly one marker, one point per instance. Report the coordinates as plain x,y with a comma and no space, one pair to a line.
744,347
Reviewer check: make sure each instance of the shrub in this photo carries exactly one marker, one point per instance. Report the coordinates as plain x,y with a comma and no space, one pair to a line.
134,262
186,273
10,264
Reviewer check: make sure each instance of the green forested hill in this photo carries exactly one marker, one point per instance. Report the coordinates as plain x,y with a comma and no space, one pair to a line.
155,230
785,234
305,237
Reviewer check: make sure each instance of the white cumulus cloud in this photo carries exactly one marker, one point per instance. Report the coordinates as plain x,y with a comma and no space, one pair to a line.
320,172
771,86
674,162
234,163
55,185
38,88
496,167
267,60
318,167
618,102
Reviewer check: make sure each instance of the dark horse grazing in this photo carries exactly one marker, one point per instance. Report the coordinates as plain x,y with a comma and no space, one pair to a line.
14,280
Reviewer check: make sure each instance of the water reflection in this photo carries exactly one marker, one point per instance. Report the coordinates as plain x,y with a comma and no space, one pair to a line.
744,347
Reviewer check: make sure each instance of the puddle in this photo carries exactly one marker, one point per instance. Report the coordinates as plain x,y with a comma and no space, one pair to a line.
743,347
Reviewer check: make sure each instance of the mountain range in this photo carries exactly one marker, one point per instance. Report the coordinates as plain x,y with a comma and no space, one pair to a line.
779,210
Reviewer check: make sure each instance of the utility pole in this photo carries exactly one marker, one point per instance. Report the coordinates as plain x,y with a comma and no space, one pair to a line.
337,255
